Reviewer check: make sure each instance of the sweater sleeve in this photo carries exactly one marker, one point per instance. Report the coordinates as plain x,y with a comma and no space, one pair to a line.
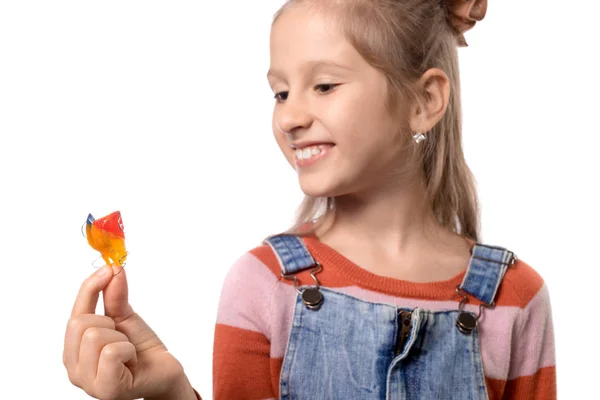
241,353
532,373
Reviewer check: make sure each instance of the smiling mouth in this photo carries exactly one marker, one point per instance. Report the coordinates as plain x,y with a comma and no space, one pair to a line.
311,154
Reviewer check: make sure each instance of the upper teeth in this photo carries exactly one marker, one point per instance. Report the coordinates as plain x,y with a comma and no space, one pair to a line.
307,152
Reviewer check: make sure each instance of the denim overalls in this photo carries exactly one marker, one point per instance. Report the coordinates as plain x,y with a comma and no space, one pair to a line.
341,347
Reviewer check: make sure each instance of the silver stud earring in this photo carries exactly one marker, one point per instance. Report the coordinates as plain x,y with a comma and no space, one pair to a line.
419,137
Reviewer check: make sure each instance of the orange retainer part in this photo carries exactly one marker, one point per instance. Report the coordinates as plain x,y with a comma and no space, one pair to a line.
107,236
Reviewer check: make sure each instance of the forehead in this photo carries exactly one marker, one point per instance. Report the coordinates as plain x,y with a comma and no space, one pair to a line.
303,35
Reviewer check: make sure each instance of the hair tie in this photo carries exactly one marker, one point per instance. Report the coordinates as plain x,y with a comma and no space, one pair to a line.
462,16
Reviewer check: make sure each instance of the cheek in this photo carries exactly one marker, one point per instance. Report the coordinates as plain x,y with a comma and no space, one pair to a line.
360,117
365,129
369,143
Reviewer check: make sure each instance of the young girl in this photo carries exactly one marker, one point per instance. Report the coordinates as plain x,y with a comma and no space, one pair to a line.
382,289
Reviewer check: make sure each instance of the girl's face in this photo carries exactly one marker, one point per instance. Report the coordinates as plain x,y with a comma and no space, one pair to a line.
330,117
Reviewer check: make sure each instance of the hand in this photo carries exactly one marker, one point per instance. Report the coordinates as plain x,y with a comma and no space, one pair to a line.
117,356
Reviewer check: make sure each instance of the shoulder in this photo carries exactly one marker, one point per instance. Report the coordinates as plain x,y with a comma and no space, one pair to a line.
522,285
245,301
265,254
258,262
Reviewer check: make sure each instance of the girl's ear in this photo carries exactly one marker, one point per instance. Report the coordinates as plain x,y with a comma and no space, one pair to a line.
434,87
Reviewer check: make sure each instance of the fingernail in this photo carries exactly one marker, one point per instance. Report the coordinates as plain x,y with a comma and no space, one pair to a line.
102,271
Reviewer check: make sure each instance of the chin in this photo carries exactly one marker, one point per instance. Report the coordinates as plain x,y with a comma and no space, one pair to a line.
320,186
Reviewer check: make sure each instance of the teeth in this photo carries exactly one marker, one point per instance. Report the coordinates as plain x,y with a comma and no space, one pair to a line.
307,153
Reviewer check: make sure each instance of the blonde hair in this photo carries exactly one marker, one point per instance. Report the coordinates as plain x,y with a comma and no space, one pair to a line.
403,39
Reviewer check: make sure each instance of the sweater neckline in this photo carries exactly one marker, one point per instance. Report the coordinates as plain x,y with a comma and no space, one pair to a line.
346,268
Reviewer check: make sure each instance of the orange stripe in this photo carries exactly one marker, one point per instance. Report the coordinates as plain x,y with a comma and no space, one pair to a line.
276,365
520,284
495,388
539,386
241,366
243,369
267,256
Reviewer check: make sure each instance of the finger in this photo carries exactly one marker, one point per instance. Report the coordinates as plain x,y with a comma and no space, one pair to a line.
92,344
116,306
76,326
116,297
111,367
87,298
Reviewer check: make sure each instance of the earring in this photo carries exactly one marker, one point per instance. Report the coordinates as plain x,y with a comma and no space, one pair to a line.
419,137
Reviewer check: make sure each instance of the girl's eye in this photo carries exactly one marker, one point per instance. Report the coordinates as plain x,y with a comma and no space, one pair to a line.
281,96
325,87
322,88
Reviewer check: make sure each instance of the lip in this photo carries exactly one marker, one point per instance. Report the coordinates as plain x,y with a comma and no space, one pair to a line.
302,145
325,150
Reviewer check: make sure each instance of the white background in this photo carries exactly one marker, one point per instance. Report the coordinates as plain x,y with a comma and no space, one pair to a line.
162,110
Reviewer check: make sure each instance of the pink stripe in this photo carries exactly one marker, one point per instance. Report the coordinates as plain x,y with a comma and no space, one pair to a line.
534,347
246,296
495,338
268,307
283,308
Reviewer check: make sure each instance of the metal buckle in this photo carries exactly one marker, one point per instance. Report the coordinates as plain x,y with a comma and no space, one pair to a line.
311,297
466,322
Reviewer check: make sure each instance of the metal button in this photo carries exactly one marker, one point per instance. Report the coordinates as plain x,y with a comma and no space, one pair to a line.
466,322
312,298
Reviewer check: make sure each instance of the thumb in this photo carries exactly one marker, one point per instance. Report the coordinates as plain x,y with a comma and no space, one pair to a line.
117,307
116,296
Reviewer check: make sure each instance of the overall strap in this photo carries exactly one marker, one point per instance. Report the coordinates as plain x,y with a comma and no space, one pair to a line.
486,269
291,253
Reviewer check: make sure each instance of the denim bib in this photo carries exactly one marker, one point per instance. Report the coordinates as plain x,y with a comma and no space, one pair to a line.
341,347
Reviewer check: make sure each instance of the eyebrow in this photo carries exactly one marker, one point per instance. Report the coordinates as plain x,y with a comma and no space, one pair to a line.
311,66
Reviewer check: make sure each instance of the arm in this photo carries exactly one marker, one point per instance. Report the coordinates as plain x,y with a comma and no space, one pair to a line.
532,373
241,354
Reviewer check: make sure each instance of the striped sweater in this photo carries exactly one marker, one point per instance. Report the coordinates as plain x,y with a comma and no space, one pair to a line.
256,309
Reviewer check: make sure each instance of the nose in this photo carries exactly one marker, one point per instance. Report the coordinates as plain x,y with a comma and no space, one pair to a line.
292,116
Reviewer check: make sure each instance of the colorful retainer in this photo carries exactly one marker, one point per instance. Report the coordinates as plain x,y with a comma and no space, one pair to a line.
107,236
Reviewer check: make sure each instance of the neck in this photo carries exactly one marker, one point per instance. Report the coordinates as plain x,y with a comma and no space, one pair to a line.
396,220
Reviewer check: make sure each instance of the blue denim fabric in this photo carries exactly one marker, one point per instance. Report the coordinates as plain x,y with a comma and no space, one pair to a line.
291,252
485,272
347,348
